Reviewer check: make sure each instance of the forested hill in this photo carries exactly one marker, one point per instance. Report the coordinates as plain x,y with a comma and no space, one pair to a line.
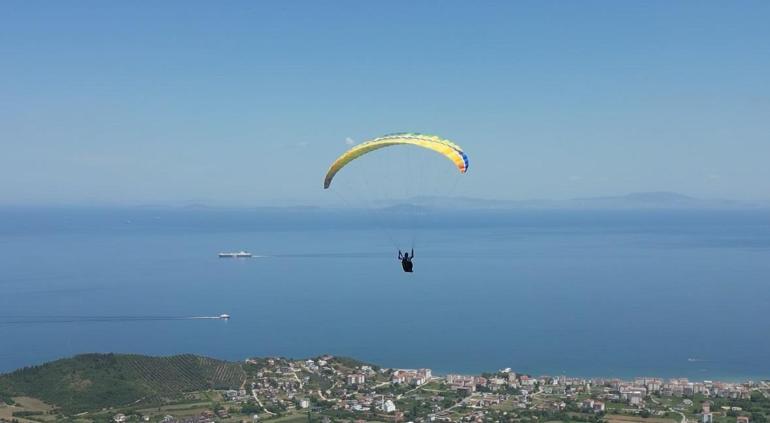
94,381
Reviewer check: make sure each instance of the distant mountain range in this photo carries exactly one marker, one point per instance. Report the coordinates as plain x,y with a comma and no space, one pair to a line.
655,200
633,201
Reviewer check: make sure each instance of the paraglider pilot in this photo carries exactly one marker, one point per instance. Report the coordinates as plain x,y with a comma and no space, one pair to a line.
406,260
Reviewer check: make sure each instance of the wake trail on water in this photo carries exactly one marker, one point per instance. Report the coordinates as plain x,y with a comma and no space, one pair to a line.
24,320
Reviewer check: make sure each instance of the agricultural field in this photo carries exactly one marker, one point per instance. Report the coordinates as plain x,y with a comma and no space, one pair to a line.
618,418
26,410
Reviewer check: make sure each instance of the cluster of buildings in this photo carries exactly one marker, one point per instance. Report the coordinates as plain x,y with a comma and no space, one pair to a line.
285,385
707,416
469,384
592,405
412,377
685,388
362,398
237,395
206,416
356,379
279,385
366,402
359,377
634,392
485,400
463,383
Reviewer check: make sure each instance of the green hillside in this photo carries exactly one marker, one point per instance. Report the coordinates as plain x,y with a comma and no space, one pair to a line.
94,381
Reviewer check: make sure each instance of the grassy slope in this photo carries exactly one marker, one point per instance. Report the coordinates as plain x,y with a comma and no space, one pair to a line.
95,381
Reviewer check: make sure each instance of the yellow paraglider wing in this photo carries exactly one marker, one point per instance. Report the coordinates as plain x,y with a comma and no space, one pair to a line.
444,147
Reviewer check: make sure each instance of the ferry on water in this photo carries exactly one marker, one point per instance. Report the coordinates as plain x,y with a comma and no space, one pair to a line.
239,254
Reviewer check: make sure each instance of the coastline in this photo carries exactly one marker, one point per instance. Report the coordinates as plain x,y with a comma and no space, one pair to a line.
443,372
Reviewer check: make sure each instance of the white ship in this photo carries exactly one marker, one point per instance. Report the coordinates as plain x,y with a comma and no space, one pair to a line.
224,316
239,254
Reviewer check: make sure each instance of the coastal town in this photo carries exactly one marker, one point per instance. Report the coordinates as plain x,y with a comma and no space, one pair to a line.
332,389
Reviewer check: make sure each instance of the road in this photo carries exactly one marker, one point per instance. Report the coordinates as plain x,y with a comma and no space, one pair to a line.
684,418
446,410
254,394
417,388
297,378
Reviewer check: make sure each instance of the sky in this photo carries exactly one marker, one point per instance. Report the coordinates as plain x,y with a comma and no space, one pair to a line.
247,103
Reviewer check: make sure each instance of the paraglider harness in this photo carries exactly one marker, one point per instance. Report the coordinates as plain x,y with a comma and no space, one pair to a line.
406,261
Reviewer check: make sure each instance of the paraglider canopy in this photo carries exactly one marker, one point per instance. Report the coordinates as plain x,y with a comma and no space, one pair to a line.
442,146
406,183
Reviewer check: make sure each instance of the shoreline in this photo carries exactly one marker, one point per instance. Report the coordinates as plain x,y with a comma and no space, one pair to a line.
442,372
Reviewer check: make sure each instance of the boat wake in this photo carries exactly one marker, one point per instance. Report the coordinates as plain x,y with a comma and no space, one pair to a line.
26,320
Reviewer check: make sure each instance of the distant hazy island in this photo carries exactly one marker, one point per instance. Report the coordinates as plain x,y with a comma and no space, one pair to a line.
189,388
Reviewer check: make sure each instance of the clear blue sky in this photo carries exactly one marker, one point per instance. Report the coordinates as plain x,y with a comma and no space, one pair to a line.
244,103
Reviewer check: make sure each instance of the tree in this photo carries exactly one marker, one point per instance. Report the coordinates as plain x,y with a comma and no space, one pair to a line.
250,408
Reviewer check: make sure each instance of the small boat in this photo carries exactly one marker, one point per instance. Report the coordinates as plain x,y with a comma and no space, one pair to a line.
224,316
239,254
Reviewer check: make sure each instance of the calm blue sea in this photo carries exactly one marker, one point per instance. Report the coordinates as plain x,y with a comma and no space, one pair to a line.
585,293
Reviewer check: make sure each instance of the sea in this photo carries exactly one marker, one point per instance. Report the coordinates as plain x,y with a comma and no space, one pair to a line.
591,293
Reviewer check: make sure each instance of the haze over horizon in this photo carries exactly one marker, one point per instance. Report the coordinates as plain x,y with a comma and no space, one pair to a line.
246,104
